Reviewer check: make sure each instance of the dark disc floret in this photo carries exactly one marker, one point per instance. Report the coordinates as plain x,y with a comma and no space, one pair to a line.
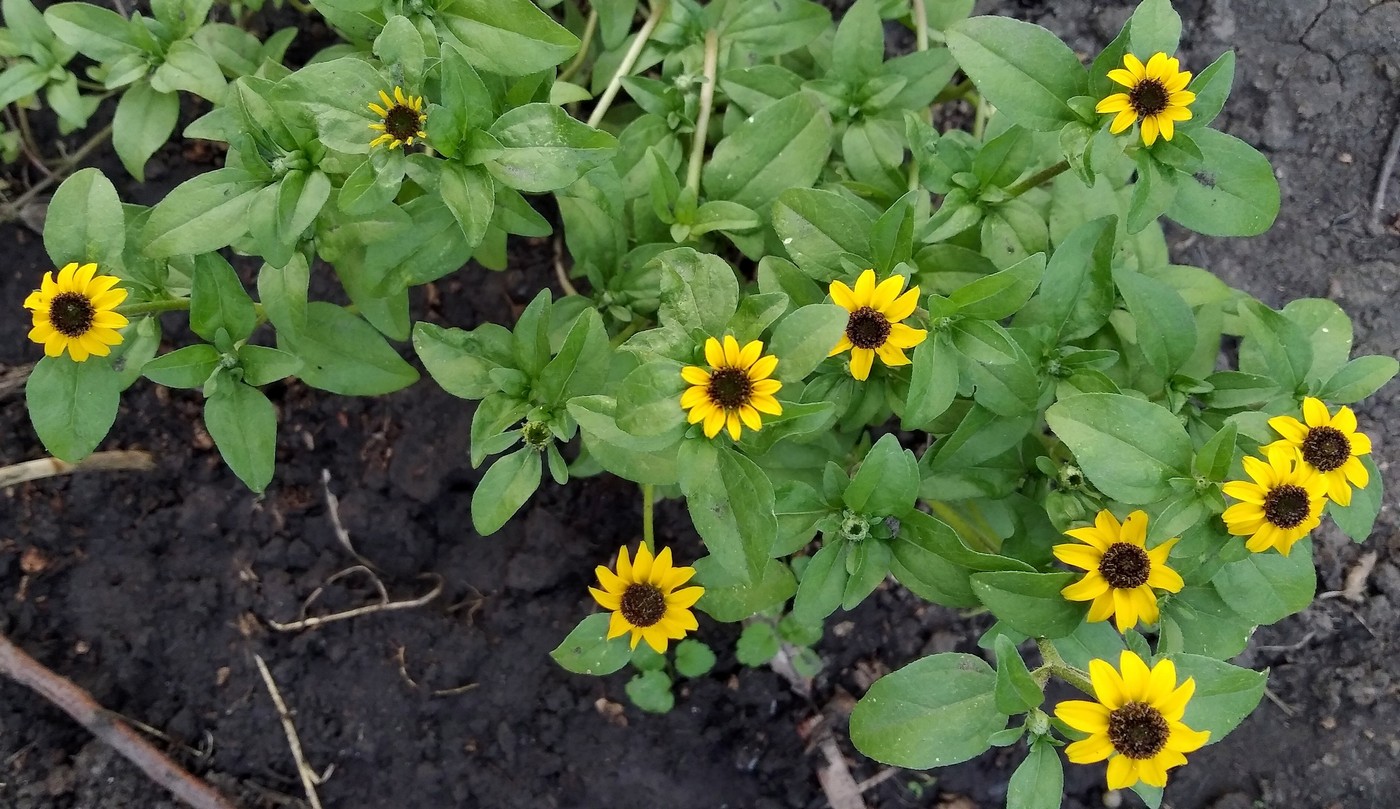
867,328
1137,730
643,604
1326,448
71,314
1287,506
403,122
1149,97
1125,566
730,388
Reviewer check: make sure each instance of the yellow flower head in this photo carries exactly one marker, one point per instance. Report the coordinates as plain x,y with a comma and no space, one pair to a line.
75,312
402,119
1281,506
1136,721
873,327
1156,94
1122,572
643,598
735,389
1328,444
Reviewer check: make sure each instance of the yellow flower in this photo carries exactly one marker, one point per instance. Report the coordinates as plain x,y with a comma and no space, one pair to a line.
1122,572
873,326
1156,94
735,389
76,313
1136,721
1328,444
403,119
1281,506
644,599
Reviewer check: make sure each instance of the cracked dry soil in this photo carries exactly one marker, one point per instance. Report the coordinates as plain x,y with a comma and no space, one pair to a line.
144,589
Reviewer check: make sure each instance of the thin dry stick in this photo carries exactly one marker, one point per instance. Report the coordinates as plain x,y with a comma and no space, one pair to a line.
309,778
16,664
1383,182
114,461
384,605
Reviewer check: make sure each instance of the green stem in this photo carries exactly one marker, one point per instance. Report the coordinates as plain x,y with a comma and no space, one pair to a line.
589,28
1056,665
648,514
985,542
920,44
702,120
632,328
1042,176
979,118
154,307
629,60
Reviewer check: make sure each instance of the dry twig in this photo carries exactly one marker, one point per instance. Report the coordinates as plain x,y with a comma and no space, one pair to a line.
16,664
113,461
309,778
384,604
1392,154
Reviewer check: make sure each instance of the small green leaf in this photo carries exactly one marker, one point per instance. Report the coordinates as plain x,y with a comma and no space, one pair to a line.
1359,378
651,691
1129,448
783,146
757,645
728,600
72,404
1358,519
1030,603
143,122
1225,694
243,424
1234,193
263,366
1155,27
344,354
85,222
693,658
887,482
1166,328
187,367
511,37
698,290
587,650
1268,587
504,489
201,215
823,584
1016,691
731,502
1039,782
1023,69
805,337
933,712
219,301
545,148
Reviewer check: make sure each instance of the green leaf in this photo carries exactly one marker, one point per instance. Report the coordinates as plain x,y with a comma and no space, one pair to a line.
1358,519
504,489
1214,458
1212,88
651,691
1030,603
868,563
1234,193
1154,27
1198,621
1039,782
757,645
282,213
731,502
1153,192
263,366
1076,293
772,29
581,366
99,33
1274,345
283,292
818,227
243,424
1225,694
933,382
85,222
344,354
823,584
219,301
1022,69
805,337
698,290
887,482
143,122
1128,448
512,37
187,367
728,600
1166,328
933,712
1268,587
461,361
1328,332
783,146
1000,294
187,67
693,658
545,148
649,400
201,215
643,460
587,649
1016,691
72,405
858,49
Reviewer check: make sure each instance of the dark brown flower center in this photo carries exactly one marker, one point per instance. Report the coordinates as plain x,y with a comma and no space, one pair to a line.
71,313
1148,97
643,604
730,388
1125,566
1137,730
403,122
1326,448
1287,506
867,328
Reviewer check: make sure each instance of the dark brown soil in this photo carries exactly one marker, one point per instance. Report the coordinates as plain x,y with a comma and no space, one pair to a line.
147,590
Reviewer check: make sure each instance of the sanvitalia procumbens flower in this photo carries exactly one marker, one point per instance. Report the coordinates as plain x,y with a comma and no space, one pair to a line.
644,598
1123,574
76,312
874,326
1157,96
1327,444
1136,723
401,119
1282,504
735,389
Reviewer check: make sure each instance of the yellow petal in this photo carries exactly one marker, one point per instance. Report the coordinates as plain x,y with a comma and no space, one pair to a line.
1345,420
714,422
903,306
65,277
1157,66
731,351
1245,491
1134,529
1315,413
1178,82
1164,578
735,425
1101,609
606,600
1337,487
54,345
694,397
109,320
767,404
695,375
1094,748
1149,130
763,368
1357,473
618,626
1084,557
1116,102
701,412
766,387
1185,740
655,638
96,347
1179,112
1122,772
892,356
611,582
902,336
1161,682
1152,773
1135,67
750,417
679,576
842,296
714,353
1125,610
1091,535
1092,585
1122,121
1260,471
865,289
660,567
83,277
1173,705
843,344
624,566
77,351
885,294
1360,444
109,299
1168,130
685,598
1135,676
750,353
641,566
861,361
1108,525
1290,428
1082,715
